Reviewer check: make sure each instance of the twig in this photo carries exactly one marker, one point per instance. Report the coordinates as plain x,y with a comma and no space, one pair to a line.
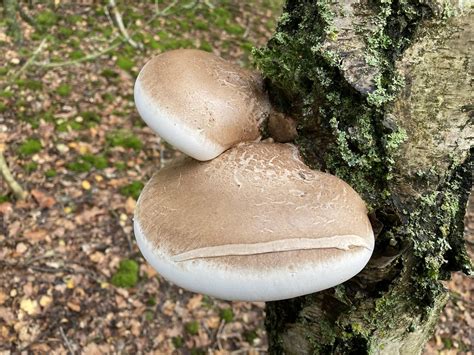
20,194
66,340
29,61
107,14
80,60
166,9
123,30
26,17
219,334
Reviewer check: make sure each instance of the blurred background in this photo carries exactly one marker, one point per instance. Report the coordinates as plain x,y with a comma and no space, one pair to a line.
71,277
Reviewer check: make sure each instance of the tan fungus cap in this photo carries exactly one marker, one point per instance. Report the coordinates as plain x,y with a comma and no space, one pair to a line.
200,103
253,224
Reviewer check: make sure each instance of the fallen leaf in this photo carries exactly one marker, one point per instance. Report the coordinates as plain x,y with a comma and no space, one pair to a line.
36,235
45,301
21,248
14,228
213,322
6,208
130,205
29,306
3,297
43,200
148,270
74,306
135,327
70,283
97,257
98,178
41,349
194,302
7,315
87,215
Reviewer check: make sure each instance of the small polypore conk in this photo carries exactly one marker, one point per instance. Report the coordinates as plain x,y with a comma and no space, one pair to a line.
254,224
202,104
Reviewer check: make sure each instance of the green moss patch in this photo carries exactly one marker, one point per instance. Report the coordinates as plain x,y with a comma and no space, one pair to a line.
124,139
86,162
132,190
126,275
64,90
50,173
30,147
46,19
226,314
30,167
192,328
125,63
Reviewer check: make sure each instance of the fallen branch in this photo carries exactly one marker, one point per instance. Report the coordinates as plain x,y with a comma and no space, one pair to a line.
29,61
18,191
91,56
123,30
163,12
26,17
95,55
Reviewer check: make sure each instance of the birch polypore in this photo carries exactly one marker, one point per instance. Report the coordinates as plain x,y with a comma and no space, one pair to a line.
201,103
254,224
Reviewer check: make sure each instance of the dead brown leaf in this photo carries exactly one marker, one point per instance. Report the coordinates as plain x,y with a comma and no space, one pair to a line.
43,200
87,215
194,302
36,235
74,306
7,315
6,208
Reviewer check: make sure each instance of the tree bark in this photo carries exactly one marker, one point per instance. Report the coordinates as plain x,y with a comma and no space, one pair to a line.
382,91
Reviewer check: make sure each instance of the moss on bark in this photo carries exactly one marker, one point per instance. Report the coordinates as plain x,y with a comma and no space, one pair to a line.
335,68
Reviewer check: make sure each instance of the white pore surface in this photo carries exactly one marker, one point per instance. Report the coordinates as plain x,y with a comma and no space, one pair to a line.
228,283
185,139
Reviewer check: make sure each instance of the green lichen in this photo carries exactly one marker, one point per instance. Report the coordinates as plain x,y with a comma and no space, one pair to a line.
126,275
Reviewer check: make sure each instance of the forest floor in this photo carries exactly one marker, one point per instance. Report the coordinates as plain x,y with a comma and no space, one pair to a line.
71,277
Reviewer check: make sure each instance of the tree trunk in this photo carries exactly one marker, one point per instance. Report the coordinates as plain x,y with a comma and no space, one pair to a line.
13,27
382,93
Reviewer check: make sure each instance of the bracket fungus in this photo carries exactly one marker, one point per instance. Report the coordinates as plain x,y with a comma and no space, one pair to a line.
253,224
204,105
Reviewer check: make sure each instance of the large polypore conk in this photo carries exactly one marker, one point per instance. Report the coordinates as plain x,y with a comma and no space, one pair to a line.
202,104
253,224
